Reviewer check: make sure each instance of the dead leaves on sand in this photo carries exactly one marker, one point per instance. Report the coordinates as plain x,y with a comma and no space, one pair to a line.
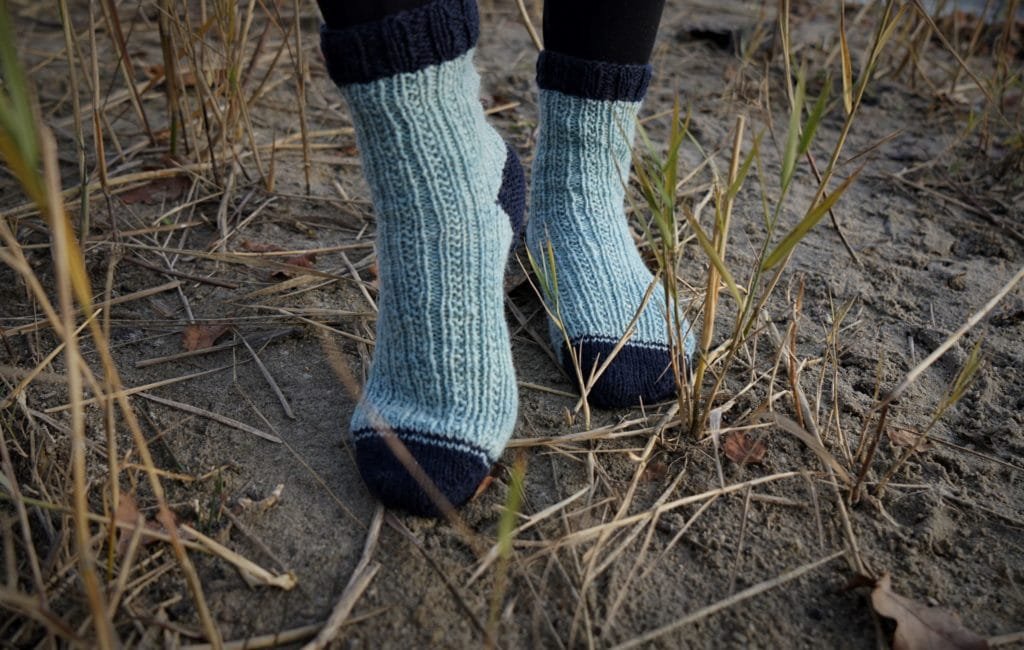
128,517
906,438
920,627
304,260
743,449
198,336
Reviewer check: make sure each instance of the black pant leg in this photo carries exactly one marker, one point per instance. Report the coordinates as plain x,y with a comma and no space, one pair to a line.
339,14
613,31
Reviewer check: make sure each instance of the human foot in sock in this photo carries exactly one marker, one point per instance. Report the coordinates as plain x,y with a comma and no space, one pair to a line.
447,193
587,114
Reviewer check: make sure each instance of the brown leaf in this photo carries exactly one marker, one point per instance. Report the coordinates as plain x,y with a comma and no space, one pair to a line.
158,190
259,247
199,337
155,71
742,449
127,515
655,471
919,627
306,261
907,438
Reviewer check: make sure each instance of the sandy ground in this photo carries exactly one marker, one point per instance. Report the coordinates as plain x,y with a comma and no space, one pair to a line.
934,219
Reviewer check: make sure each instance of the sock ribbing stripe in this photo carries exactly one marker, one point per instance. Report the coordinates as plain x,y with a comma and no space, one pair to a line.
408,41
592,79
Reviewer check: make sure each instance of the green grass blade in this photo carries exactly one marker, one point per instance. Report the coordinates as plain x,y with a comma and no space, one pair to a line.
847,63
734,188
716,261
811,219
19,139
814,120
793,135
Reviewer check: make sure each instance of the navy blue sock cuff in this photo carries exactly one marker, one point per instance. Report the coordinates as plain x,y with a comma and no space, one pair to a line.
407,41
592,79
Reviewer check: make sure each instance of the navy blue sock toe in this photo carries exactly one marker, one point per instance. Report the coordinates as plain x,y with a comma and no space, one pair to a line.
637,374
512,195
455,468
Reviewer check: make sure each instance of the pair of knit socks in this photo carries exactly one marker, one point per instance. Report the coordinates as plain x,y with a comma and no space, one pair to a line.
441,401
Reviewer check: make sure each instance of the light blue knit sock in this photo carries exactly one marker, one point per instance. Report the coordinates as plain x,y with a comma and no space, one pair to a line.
444,188
587,114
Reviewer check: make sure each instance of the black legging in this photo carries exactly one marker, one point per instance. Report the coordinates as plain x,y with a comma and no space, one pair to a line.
614,31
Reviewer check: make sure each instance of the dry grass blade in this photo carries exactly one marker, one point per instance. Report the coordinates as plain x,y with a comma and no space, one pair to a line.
252,573
791,427
524,14
270,379
31,607
120,300
735,599
951,340
494,552
362,575
216,417
42,365
586,534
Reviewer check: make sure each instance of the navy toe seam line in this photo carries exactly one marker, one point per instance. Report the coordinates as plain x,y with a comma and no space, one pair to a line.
612,341
424,437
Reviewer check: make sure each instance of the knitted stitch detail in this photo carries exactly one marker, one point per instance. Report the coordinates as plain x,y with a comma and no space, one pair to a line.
641,372
425,438
454,472
442,378
407,41
512,195
576,207
592,79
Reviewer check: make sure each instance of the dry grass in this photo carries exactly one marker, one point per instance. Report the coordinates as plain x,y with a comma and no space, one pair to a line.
167,158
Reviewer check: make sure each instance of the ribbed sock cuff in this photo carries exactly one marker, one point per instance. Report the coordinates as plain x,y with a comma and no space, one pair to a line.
592,79
407,41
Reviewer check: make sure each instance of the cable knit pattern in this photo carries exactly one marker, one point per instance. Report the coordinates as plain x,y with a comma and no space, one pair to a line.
442,379
581,165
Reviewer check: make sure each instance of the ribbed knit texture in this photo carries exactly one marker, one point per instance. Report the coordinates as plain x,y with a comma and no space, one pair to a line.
581,164
407,41
592,79
442,380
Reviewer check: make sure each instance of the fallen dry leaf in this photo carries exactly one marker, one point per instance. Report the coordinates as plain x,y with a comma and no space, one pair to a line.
742,449
264,504
907,438
306,261
259,247
655,471
920,627
127,514
199,337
